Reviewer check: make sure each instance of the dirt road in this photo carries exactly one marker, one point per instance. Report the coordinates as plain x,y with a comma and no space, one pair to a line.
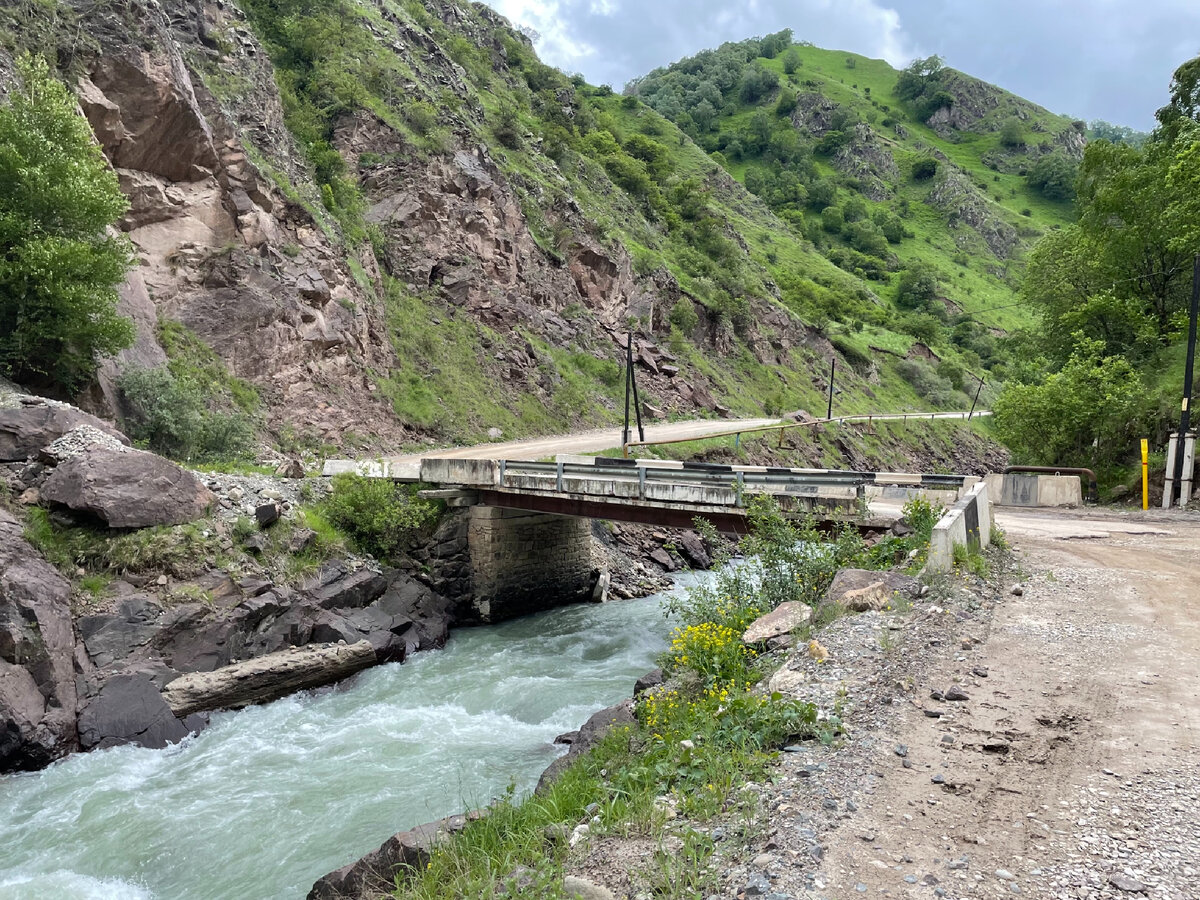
1071,771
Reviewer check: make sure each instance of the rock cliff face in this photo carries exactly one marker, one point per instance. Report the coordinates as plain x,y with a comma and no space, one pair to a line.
220,248
37,656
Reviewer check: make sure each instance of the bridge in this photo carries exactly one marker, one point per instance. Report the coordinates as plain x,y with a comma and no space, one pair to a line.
522,532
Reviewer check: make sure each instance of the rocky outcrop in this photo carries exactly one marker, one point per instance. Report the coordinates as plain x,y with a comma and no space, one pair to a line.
868,160
962,204
266,678
376,872
37,656
127,489
28,428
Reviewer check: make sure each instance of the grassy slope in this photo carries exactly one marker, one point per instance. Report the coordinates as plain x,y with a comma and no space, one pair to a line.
447,388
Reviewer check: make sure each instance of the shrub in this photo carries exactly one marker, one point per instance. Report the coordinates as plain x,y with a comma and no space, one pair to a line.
924,169
173,415
684,316
59,269
379,515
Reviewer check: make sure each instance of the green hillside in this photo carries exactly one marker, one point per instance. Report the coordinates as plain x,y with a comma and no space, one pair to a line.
768,205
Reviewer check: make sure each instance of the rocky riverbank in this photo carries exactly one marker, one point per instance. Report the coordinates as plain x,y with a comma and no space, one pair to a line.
161,575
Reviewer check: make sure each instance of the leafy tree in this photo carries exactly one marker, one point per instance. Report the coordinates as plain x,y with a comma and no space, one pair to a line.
918,286
59,269
919,77
832,219
925,168
1099,130
758,82
1185,102
1053,176
786,102
792,61
1012,132
1087,413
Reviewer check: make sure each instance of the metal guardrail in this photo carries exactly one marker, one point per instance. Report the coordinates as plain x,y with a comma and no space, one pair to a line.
563,476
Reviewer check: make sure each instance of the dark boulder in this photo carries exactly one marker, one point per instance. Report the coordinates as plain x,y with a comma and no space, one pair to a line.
692,547
406,599
38,691
595,728
129,489
335,588
653,678
129,710
25,431
376,872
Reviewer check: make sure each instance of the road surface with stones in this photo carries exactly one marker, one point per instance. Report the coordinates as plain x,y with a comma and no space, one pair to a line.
1071,769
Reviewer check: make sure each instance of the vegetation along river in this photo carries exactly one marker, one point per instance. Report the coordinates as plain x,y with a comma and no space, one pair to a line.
267,800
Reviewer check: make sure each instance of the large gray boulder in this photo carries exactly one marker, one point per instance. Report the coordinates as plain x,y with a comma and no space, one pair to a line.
129,710
128,489
37,646
27,429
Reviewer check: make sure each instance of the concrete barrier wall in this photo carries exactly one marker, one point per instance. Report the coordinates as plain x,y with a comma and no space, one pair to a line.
1028,489
967,522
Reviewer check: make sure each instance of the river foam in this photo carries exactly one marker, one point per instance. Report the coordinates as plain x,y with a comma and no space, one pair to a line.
268,799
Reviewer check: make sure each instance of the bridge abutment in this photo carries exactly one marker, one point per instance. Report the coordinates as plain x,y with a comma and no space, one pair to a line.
524,562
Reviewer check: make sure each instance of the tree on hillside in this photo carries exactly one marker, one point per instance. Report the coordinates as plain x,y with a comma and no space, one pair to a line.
792,61
1053,176
1111,292
1012,132
59,269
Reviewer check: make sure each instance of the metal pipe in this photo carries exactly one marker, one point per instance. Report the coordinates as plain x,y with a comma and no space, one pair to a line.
1093,494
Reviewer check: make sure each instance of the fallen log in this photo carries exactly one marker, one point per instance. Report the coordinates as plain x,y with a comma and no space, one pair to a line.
266,678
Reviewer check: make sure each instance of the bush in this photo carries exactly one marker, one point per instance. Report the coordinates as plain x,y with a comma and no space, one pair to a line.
378,514
924,169
59,269
684,316
173,415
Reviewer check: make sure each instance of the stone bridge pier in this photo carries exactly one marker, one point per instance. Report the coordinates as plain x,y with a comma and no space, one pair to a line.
523,562
497,563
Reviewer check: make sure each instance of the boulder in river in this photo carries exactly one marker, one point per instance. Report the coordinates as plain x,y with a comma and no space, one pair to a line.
131,489
37,647
129,710
595,728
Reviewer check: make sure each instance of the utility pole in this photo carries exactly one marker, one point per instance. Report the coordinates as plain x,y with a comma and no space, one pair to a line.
1185,416
628,368
832,370
976,400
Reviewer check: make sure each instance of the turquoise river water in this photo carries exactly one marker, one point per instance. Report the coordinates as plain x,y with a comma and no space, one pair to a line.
266,800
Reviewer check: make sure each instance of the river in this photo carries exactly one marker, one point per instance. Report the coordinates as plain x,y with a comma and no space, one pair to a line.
265,801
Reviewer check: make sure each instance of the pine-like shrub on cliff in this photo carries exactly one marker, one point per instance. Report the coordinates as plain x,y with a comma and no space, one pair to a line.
59,268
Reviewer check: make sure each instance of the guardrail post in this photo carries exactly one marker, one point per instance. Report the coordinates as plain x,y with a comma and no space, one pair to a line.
741,483
737,443
503,467
641,482
558,477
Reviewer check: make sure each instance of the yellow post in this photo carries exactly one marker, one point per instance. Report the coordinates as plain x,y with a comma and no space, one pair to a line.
1145,474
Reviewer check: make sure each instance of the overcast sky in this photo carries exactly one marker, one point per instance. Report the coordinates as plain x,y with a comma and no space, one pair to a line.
1089,59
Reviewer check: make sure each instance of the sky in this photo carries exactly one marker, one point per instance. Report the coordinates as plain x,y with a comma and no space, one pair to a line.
1088,59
